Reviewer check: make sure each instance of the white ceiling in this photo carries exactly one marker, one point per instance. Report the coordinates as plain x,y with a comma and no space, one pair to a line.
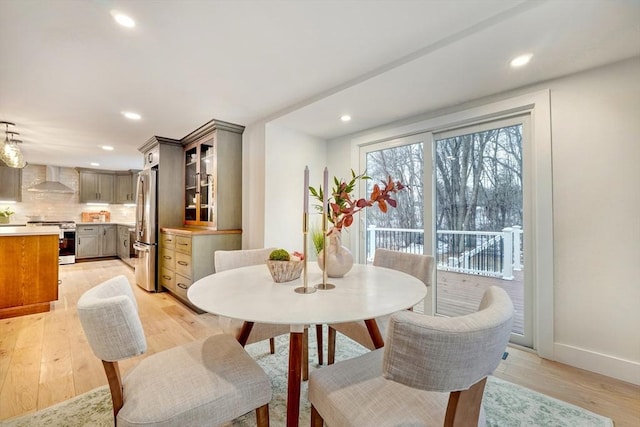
67,70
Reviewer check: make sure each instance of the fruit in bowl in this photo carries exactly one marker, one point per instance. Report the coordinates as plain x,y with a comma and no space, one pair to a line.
285,266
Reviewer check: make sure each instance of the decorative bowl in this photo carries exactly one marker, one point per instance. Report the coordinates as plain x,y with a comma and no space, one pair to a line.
284,271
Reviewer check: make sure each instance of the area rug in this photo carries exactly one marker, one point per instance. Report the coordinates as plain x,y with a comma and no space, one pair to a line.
506,404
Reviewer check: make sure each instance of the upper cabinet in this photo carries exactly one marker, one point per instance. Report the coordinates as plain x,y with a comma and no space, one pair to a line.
97,186
213,176
10,183
126,186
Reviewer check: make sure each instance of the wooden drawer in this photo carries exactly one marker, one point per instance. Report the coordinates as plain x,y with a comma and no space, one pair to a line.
183,264
182,285
167,241
168,279
183,244
88,229
167,259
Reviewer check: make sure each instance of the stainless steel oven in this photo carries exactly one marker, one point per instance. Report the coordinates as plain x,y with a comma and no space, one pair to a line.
67,236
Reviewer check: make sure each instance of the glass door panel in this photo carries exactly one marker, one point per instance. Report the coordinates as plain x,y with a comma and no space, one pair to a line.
191,184
479,217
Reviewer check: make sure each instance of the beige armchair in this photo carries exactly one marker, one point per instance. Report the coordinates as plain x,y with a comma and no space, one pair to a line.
419,266
431,372
206,382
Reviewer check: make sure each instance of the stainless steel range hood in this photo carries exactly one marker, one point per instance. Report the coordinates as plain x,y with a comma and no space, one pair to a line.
52,183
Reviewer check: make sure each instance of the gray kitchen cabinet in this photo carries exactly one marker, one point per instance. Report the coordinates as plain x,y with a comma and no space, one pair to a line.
10,183
186,255
126,186
109,240
212,176
125,248
96,186
96,241
88,240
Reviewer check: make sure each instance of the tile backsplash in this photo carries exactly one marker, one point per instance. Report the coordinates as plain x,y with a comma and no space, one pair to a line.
56,206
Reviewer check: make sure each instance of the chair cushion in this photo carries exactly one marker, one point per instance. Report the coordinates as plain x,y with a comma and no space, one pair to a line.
354,393
206,382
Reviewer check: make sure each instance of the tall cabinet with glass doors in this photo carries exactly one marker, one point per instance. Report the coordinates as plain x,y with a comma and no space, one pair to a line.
213,176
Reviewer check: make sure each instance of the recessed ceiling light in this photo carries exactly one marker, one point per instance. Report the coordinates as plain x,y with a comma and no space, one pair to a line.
521,60
122,19
107,148
95,164
131,115
345,118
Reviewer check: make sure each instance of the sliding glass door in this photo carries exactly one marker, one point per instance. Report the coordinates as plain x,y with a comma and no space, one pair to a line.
466,205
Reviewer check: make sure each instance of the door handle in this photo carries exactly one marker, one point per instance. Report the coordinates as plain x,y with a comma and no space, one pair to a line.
140,248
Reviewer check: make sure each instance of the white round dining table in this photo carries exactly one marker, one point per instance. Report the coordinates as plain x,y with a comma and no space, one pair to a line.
250,294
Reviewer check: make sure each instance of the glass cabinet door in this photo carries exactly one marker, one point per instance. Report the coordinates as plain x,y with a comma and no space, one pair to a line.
200,185
207,181
191,184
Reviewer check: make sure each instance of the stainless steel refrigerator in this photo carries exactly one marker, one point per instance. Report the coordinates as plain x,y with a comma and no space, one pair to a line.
146,231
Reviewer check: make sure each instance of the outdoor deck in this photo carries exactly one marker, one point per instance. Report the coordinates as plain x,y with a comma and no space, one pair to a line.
459,294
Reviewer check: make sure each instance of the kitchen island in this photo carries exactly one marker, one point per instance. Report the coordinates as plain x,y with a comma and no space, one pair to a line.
28,269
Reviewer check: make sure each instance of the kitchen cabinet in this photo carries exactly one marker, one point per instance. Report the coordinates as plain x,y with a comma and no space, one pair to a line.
96,186
186,255
10,183
125,248
28,271
213,176
126,186
96,241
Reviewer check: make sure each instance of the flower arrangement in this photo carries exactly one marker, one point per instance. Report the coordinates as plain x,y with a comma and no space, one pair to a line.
343,206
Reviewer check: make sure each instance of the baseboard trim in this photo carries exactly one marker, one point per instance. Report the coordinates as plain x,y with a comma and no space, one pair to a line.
621,369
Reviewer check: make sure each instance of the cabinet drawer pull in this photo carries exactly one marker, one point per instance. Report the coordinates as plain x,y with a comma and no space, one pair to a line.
182,285
166,257
183,244
183,263
164,276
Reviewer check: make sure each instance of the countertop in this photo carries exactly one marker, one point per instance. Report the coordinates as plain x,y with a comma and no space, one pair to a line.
189,231
126,224
28,231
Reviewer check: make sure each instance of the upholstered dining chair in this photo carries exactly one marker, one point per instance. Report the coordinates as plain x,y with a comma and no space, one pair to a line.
431,372
206,382
227,260
419,266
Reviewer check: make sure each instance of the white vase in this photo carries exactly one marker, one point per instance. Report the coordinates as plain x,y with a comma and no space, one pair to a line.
339,258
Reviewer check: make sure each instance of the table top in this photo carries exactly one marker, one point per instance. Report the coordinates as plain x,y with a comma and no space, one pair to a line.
250,294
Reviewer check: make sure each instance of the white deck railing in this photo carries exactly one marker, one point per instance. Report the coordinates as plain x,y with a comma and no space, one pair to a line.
489,253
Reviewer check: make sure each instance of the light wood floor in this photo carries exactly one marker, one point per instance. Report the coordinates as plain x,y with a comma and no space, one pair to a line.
44,358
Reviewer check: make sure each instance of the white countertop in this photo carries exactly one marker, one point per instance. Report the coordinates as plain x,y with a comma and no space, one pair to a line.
28,231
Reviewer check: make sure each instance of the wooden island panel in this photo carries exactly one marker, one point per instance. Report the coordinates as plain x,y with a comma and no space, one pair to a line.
28,274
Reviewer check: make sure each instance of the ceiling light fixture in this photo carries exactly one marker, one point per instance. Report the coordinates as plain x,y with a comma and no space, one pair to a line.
122,19
10,154
94,164
107,148
345,118
131,115
521,60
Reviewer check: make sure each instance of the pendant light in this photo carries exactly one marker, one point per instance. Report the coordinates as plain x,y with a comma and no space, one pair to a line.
10,154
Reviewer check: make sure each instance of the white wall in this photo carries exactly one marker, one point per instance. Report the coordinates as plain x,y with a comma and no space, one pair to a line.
253,185
287,153
596,195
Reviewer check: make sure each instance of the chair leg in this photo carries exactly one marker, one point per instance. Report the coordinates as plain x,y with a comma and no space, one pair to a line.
262,416
115,385
272,345
316,418
463,408
320,348
305,355
331,351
